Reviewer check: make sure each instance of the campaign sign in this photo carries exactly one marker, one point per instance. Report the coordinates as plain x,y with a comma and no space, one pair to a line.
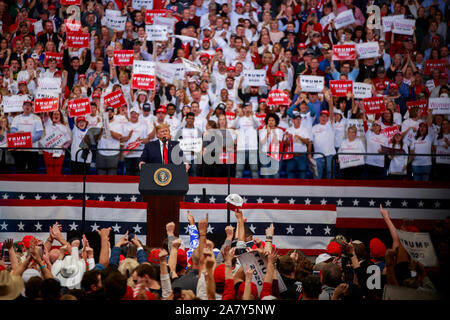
19,140
362,90
343,19
143,82
156,32
46,105
440,64
72,25
439,105
79,107
116,23
123,58
422,104
278,97
49,84
77,39
143,67
150,14
368,50
255,78
389,132
70,2
344,52
170,72
340,88
374,105
114,99
419,247
403,26
350,160
56,55
14,103
311,83
139,4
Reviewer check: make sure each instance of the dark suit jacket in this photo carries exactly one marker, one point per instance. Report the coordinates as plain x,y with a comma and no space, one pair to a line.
43,38
152,152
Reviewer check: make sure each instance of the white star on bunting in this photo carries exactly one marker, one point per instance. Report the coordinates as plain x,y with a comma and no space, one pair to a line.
323,201
252,228
212,199
94,227
117,198
327,230
387,203
307,201
137,229
38,226
437,204
244,199
276,200
404,203
21,226
260,200
4,226
116,228
74,226
186,229
5,196
290,230
291,201
102,198
420,204
21,197
339,202
355,202
38,197
54,197
69,197
133,198
309,230
371,203
210,229
196,199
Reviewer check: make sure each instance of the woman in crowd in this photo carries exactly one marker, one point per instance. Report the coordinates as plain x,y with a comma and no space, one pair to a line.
441,146
398,163
351,166
422,144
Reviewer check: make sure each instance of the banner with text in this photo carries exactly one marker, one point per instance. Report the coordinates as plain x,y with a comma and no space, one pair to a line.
156,32
421,104
439,105
143,82
139,4
403,26
150,14
14,103
254,77
419,247
278,97
123,58
46,105
311,83
77,39
344,52
19,140
368,50
374,105
114,99
79,107
362,90
344,19
340,88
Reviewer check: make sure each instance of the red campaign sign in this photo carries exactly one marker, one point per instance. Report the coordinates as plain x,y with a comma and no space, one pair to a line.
77,40
340,88
114,99
422,104
123,58
434,64
19,140
46,105
143,82
374,105
150,14
389,132
57,55
79,107
70,2
344,52
278,97
72,25
230,116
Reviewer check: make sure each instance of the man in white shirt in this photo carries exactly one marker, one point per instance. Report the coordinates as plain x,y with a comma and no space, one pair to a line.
107,160
27,160
297,139
190,133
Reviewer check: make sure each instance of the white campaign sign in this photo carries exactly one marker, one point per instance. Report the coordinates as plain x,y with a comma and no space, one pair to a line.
14,103
47,83
117,23
327,19
344,19
387,22
362,90
255,78
368,50
191,66
255,262
311,83
164,21
191,145
156,32
144,67
350,160
439,105
138,4
419,247
47,94
112,13
359,124
403,26
170,71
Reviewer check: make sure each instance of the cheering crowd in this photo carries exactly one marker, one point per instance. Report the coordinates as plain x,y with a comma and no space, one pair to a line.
219,48
65,269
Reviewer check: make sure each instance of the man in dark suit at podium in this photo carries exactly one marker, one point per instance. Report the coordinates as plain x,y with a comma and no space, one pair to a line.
160,151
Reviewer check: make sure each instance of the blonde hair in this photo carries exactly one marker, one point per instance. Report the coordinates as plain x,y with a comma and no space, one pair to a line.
127,267
162,126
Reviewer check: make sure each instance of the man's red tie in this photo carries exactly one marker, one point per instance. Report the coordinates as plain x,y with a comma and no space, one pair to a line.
166,154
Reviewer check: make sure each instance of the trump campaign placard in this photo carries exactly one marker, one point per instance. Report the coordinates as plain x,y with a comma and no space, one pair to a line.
55,55
144,67
340,88
430,64
362,90
114,99
389,132
156,32
14,103
139,4
79,107
77,39
143,81
343,19
374,105
46,105
19,140
344,52
116,22
253,77
278,97
439,105
368,50
421,104
403,26
312,83
123,58
70,2
151,14
72,25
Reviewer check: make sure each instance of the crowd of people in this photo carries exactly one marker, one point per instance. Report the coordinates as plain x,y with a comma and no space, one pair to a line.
313,135
65,269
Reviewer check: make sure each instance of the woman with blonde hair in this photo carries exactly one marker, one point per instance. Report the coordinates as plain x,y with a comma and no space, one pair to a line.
6,158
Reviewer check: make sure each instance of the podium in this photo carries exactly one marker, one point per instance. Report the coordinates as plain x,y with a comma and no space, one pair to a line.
163,187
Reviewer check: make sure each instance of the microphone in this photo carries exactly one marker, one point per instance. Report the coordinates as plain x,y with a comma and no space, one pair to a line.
164,140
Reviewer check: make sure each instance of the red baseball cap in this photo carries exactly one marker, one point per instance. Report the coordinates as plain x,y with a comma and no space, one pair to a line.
334,248
219,274
380,86
80,76
279,74
262,100
153,257
52,6
182,258
22,82
161,109
231,68
81,118
96,95
205,40
238,4
301,46
26,241
219,49
377,248
444,75
325,112
205,55
393,85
